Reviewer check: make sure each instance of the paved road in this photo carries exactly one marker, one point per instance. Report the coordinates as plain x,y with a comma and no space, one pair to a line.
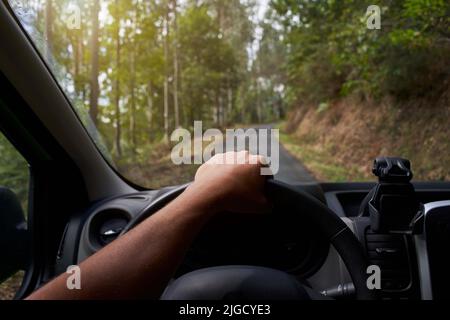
290,169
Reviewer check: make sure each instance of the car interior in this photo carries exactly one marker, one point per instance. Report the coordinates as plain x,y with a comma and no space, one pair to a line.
325,235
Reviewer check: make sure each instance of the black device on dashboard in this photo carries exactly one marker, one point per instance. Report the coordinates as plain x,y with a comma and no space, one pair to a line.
385,218
392,204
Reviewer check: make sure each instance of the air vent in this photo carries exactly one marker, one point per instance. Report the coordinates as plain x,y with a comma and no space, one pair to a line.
389,252
107,225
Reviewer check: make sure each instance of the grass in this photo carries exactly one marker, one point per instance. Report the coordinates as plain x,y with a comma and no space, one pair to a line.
155,168
319,160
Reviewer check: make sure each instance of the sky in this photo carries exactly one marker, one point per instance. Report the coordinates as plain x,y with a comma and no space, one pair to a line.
262,4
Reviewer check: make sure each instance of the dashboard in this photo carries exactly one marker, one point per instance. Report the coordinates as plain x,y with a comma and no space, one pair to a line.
284,240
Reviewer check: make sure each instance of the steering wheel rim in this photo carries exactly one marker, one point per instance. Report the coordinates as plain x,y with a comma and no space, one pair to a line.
328,223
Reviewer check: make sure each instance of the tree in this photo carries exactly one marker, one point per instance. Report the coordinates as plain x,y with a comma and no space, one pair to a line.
175,64
166,71
118,124
48,29
94,86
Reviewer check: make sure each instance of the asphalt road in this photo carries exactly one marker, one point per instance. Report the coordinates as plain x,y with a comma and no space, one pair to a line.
290,169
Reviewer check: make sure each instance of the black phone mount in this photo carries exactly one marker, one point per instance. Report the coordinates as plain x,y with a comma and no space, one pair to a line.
393,202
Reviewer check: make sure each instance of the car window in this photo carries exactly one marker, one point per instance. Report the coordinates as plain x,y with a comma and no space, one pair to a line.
336,83
14,180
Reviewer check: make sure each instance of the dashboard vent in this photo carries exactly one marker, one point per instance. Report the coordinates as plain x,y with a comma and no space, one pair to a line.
106,226
390,253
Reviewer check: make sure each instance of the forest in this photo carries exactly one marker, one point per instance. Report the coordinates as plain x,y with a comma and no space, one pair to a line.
138,69
144,68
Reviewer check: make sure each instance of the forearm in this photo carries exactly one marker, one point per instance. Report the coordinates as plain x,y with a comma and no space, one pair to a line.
139,264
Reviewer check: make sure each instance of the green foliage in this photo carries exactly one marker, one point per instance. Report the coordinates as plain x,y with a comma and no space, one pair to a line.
323,107
333,53
13,170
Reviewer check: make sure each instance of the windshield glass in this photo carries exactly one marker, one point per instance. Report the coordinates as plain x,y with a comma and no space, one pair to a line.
320,88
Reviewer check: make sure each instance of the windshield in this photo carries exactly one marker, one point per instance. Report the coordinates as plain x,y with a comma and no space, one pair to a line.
320,87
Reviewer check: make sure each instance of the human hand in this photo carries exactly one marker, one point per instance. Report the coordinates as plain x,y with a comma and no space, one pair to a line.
232,182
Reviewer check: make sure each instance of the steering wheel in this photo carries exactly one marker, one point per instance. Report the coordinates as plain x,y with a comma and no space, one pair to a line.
251,282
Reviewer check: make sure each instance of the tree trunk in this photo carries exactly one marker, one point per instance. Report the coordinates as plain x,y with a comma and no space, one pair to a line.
133,110
166,76
217,108
258,101
133,89
175,66
48,29
258,92
76,48
93,99
221,108
83,68
150,110
230,103
118,137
